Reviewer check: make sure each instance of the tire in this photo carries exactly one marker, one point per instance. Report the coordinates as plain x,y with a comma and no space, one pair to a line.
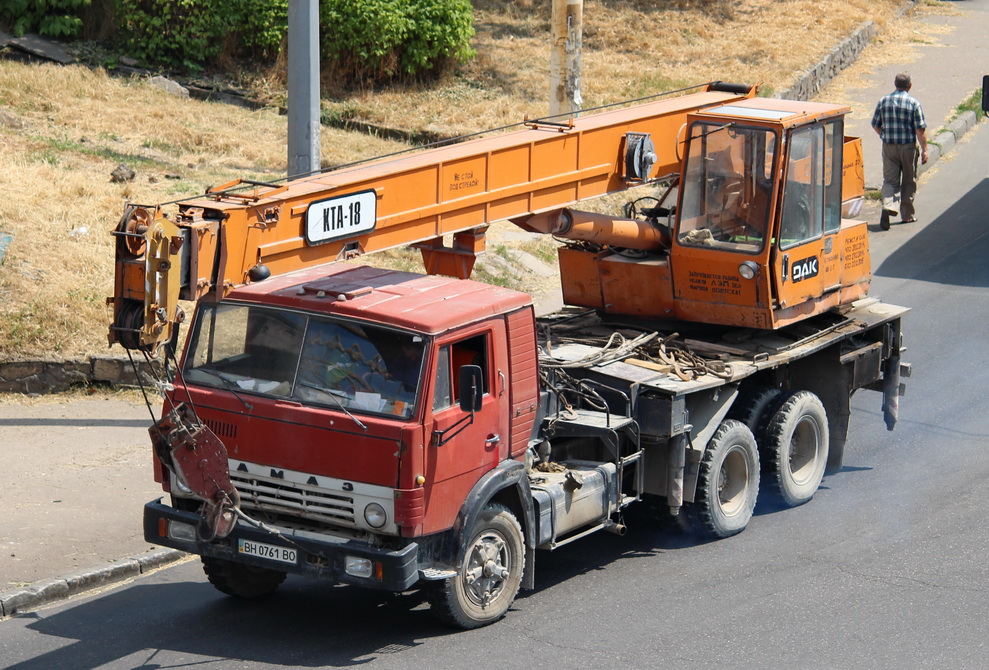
754,409
241,581
727,483
796,446
489,576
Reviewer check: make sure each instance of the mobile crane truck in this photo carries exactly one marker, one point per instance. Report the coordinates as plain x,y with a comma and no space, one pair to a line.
397,430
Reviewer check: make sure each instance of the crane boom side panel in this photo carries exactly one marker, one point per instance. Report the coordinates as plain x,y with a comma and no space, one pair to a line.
419,198
455,188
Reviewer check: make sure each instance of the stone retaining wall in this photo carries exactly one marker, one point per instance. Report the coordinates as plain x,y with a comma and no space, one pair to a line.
816,78
51,376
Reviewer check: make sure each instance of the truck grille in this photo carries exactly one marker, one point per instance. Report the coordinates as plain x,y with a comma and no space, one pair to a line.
221,428
280,497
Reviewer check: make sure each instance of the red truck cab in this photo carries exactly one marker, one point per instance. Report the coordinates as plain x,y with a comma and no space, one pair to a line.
337,394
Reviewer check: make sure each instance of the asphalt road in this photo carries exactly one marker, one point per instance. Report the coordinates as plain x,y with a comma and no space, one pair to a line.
885,568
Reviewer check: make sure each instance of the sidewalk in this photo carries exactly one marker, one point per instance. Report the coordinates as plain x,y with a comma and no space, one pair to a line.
77,473
944,74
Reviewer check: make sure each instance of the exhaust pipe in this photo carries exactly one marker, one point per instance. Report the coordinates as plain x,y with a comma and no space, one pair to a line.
616,528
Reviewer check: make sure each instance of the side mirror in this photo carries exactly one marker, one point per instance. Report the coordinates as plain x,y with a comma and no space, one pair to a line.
985,95
471,388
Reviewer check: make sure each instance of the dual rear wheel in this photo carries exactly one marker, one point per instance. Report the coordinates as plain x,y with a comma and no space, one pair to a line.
785,436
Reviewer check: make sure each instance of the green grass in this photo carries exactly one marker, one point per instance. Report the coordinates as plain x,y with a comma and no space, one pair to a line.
973,103
54,146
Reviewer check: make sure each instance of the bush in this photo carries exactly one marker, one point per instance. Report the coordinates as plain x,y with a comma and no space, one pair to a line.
52,18
261,26
175,33
188,34
371,41
366,41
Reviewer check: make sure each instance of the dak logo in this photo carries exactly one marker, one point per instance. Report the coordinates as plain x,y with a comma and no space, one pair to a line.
804,269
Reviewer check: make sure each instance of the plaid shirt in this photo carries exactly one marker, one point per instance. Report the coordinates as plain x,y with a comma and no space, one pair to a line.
899,117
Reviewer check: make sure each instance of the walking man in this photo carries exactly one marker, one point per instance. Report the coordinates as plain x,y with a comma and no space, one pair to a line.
899,121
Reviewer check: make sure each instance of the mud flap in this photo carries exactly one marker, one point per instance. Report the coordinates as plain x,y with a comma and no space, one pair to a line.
198,459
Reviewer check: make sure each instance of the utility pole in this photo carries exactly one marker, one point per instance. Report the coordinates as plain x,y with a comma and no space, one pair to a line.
564,63
303,87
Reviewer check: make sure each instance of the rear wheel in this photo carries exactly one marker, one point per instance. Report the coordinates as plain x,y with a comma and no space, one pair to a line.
489,575
755,408
242,581
727,482
796,446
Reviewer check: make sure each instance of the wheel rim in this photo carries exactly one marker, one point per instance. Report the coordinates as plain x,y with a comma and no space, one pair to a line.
733,481
486,568
805,450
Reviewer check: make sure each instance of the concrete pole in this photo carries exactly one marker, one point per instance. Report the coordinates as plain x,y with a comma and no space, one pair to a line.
564,64
303,87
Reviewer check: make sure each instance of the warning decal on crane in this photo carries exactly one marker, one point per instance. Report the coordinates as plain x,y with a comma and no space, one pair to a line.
340,217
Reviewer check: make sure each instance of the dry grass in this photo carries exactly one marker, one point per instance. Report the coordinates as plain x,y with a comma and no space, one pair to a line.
632,48
64,129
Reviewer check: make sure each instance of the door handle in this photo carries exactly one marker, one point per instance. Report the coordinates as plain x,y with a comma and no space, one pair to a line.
492,440
786,267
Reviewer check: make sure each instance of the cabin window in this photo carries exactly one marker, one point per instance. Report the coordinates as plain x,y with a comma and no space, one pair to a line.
812,194
315,359
727,187
470,351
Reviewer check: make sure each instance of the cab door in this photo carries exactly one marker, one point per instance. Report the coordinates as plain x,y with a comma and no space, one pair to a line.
806,255
721,243
462,447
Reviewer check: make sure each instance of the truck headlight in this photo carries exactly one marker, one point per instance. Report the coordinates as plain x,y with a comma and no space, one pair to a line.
375,515
358,567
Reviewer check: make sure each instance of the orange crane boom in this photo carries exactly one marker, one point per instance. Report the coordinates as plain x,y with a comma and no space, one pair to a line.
244,231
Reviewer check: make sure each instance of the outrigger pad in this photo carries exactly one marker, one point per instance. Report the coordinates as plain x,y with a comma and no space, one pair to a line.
198,458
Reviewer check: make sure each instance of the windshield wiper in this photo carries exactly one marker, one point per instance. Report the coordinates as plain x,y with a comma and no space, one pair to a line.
229,384
333,394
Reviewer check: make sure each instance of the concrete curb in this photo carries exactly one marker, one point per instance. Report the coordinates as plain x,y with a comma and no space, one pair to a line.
944,139
46,591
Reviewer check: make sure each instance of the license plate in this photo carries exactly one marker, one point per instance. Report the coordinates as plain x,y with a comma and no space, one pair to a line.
269,551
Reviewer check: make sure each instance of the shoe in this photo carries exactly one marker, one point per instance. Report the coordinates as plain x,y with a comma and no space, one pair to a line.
884,220
912,219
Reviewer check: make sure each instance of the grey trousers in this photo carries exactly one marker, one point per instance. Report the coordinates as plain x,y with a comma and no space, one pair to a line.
900,178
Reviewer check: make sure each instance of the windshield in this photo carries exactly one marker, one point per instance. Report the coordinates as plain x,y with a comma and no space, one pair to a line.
314,359
727,187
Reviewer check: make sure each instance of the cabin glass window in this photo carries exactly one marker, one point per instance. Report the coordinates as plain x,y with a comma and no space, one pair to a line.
313,359
470,351
803,195
834,141
727,187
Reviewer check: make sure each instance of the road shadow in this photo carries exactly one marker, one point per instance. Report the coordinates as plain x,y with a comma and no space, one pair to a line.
952,249
305,624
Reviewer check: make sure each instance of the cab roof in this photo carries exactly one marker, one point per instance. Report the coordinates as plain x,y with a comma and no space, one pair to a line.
786,113
426,303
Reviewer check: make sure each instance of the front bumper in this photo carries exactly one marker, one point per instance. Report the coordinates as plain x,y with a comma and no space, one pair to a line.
393,570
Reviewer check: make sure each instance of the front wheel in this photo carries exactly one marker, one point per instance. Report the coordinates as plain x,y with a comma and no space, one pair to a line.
242,581
796,446
489,575
727,482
